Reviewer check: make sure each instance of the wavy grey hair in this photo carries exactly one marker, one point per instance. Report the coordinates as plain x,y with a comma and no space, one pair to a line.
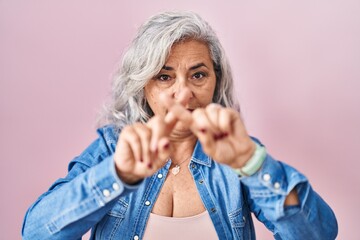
146,56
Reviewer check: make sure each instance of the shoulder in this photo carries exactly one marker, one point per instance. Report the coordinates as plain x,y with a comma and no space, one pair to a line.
102,147
109,134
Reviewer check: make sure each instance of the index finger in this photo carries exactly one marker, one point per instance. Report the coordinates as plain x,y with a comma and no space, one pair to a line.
176,110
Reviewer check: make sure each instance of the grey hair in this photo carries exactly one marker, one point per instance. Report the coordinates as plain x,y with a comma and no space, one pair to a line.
146,56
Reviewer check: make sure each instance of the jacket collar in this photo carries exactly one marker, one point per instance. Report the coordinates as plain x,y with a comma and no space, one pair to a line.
199,156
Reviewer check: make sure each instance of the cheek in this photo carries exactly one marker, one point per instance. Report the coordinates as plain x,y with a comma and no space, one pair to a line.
204,98
152,97
206,94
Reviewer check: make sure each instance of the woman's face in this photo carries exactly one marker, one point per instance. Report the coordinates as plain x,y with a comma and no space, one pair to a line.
190,66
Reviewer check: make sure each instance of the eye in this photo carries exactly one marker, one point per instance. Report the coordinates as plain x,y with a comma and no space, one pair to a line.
163,77
199,75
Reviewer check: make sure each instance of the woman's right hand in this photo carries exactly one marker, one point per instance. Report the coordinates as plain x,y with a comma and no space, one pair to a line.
142,149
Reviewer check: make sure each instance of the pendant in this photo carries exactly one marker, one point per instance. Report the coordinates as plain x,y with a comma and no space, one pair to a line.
175,170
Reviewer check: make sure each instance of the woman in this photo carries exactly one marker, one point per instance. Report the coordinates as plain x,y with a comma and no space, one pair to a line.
174,160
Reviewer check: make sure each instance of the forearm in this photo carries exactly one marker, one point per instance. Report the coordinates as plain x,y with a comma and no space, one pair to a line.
74,206
312,219
284,201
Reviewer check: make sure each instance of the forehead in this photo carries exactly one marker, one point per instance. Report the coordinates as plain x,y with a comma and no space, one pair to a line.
189,50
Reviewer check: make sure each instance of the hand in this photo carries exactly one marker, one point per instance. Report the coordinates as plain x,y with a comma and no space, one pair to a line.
220,131
142,149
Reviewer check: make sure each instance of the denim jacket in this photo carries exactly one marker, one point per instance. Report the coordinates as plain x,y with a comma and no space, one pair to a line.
93,196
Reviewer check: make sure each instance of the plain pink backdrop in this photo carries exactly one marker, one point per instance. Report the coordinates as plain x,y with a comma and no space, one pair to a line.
296,67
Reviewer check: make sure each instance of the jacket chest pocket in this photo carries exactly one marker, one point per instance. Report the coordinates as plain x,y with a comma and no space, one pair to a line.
240,223
108,226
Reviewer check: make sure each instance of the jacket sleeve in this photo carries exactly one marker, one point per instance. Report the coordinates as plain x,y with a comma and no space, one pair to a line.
77,202
266,192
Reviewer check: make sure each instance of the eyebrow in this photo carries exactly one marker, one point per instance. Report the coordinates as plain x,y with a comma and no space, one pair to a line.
191,68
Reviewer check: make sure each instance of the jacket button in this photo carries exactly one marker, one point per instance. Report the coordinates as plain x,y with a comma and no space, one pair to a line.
266,177
106,193
159,175
115,186
147,203
136,237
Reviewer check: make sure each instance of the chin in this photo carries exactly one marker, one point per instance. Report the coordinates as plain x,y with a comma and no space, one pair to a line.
180,127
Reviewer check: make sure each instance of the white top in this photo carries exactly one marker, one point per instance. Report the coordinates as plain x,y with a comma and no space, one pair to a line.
195,227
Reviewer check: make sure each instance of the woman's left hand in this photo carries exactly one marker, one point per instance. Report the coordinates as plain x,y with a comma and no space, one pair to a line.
220,130
223,135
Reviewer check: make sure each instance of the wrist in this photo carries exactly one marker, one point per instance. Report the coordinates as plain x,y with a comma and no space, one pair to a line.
254,163
128,178
125,176
242,159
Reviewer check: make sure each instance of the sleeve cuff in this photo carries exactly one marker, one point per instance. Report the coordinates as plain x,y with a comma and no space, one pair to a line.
106,183
272,183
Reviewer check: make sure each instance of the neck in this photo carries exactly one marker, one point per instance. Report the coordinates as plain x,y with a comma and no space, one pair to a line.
182,147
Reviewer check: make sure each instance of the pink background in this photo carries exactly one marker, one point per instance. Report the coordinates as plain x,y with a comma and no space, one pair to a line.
296,66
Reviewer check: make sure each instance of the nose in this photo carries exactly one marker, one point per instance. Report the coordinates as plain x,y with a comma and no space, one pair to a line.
183,96
182,92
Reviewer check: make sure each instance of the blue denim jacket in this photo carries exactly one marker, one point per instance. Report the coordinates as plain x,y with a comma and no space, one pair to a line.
92,196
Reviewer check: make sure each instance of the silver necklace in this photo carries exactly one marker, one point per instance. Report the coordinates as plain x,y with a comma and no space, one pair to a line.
175,170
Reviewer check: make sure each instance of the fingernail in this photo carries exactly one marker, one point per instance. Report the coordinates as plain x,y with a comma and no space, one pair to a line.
166,146
203,130
141,160
219,136
149,165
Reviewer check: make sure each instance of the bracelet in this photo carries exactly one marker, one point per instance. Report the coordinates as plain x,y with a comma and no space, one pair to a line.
254,163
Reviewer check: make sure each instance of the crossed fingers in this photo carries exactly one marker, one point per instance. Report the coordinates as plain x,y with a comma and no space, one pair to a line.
214,120
220,130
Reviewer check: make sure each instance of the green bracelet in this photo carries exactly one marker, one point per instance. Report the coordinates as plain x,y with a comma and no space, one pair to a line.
254,163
